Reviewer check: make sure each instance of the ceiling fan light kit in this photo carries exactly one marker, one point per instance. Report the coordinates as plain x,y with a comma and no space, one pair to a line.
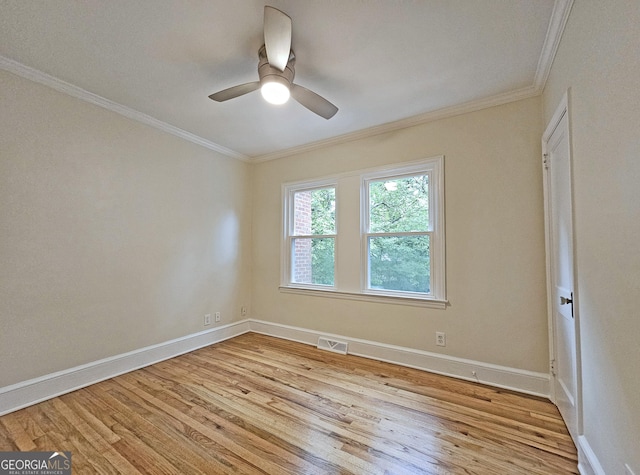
275,84
274,92
276,70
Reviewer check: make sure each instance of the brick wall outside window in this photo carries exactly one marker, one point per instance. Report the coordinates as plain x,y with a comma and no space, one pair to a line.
302,265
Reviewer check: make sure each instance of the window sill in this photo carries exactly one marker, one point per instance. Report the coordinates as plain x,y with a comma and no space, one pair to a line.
365,297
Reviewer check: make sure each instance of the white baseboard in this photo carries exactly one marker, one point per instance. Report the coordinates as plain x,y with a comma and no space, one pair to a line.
588,463
35,390
523,381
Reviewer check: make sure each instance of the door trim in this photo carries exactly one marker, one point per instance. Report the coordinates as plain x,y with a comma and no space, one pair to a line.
561,111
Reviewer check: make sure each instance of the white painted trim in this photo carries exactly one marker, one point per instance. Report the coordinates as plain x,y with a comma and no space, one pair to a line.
559,113
547,247
472,106
562,112
588,463
288,191
365,297
84,95
432,165
559,17
26,393
523,381
434,168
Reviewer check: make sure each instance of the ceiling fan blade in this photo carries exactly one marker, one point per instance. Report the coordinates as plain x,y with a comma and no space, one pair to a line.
277,37
235,91
313,101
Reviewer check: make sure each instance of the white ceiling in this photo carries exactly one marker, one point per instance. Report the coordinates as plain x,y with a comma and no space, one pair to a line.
379,61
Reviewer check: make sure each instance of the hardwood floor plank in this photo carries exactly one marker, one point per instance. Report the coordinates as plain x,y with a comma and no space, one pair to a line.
18,433
259,405
260,459
144,458
323,450
485,405
55,441
287,377
157,432
266,413
260,442
409,388
7,442
318,419
407,404
101,432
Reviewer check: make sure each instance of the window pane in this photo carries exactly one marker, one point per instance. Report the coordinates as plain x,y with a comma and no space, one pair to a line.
313,261
399,263
314,212
399,204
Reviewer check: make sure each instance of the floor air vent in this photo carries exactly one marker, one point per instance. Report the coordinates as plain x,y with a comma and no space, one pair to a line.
332,345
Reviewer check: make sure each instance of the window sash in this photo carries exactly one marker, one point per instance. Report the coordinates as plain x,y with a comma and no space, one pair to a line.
292,212
391,177
310,271
368,288
288,271
381,176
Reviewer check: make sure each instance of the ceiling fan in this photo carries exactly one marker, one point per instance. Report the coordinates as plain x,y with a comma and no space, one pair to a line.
276,71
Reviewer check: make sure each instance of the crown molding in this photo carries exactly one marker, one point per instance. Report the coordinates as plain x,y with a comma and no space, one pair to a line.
557,23
472,106
62,86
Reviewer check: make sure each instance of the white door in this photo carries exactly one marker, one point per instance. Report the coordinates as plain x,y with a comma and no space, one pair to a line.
564,334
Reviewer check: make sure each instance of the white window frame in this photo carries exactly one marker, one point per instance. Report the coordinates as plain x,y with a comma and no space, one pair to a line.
433,168
289,190
349,290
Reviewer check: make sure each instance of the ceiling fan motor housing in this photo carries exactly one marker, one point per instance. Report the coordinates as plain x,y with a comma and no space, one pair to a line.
268,73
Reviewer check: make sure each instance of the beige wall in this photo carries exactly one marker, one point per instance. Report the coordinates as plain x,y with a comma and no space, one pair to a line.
599,60
494,231
113,235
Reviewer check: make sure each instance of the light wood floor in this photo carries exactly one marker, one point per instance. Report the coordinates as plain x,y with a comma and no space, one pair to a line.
256,404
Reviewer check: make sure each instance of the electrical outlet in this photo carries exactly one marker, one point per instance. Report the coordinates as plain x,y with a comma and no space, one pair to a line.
207,319
217,316
243,311
441,339
627,470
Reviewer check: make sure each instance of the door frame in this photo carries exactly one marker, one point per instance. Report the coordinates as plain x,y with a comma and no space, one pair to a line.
561,111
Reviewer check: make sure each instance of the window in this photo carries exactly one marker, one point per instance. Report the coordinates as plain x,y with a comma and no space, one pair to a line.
311,231
397,234
391,239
